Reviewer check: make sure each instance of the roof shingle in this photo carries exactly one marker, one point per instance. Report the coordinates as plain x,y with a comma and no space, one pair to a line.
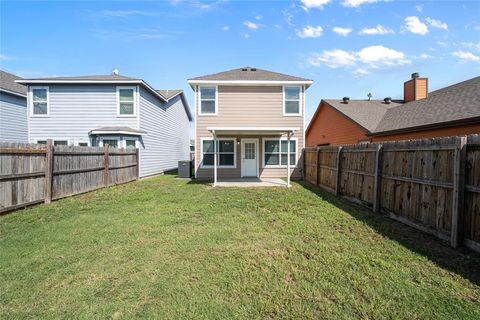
249,74
7,82
453,103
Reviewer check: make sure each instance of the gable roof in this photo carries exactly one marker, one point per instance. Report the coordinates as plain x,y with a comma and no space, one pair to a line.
366,113
164,95
458,102
168,94
109,77
8,84
249,75
453,104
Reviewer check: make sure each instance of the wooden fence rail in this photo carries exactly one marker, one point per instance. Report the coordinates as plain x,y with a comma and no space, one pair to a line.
432,185
32,173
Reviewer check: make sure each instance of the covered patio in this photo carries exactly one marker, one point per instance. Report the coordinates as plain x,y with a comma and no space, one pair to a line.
250,154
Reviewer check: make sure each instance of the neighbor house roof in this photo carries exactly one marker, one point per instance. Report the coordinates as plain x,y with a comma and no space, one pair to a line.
366,113
450,105
164,95
249,74
8,84
168,94
456,103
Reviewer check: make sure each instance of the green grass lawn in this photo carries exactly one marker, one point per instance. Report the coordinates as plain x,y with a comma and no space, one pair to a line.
168,248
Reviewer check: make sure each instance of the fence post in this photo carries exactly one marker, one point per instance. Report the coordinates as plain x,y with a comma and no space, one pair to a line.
318,166
378,179
339,168
458,191
304,161
106,165
138,163
48,172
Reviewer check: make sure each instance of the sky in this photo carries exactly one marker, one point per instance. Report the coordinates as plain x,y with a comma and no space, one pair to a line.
347,47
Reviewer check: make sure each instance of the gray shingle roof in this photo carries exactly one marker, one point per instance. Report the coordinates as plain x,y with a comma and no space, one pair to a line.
457,102
110,77
7,82
167,94
115,129
249,74
367,114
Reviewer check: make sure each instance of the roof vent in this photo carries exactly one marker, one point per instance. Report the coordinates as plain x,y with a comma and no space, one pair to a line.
253,69
415,75
346,99
387,100
245,68
115,72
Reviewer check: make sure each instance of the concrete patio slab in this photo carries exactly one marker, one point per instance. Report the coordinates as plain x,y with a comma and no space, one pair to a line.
251,182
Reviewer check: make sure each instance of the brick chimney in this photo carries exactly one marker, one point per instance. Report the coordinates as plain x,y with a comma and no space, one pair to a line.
415,88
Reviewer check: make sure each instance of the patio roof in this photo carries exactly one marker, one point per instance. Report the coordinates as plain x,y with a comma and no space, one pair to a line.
117,130
273,131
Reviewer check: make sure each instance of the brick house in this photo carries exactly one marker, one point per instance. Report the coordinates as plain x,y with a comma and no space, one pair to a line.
453,110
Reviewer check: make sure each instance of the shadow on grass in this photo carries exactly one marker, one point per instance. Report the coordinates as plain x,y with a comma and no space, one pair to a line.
460,261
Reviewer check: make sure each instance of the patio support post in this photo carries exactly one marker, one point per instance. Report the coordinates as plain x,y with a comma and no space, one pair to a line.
288,159
214,158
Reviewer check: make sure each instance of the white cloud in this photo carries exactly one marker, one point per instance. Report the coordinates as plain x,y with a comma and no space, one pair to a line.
362,61
466,56
251,25
360,72
414,25
379,29
310,4
310,32
258,17
377,56
356,3
342,31
476,28
437,23
333,58
419,7
425,56
472,45
226,28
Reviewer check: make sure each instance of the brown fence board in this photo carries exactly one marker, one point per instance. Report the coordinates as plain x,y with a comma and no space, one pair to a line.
25,177
418,182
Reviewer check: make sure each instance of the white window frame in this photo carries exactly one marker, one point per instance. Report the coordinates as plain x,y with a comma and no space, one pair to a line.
135,101
200,113
119,141
32,114
279,165
218,164
300,98
124,141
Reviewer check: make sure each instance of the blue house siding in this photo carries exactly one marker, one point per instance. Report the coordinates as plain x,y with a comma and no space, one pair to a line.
168,134
13,118
77,109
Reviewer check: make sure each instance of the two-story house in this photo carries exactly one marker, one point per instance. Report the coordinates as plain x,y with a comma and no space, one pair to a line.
120,111
13,109
249,123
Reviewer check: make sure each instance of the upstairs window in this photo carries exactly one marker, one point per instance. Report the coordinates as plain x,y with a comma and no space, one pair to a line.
291,103
126,101
208,100
40,101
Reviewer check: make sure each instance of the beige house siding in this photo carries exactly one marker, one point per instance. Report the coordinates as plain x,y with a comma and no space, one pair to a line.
248,106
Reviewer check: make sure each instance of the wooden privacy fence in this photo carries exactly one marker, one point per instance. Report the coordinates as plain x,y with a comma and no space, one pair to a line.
32,173
432,185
